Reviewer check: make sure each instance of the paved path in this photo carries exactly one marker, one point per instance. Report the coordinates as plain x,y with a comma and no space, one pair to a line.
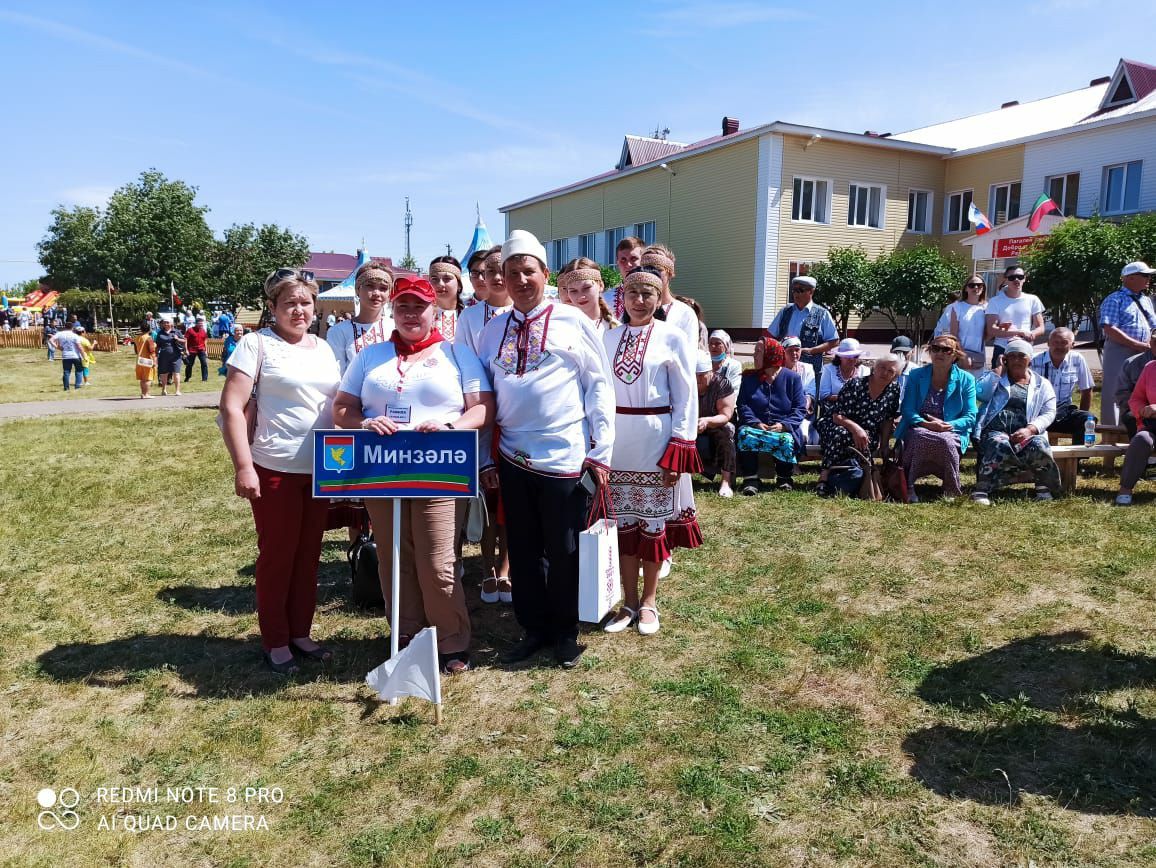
88,406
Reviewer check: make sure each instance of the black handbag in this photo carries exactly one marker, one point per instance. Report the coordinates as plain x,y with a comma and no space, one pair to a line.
365,585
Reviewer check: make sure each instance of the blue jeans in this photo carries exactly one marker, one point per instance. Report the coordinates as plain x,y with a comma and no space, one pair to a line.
78,366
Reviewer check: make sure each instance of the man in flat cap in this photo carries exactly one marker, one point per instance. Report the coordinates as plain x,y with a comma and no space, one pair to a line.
811,323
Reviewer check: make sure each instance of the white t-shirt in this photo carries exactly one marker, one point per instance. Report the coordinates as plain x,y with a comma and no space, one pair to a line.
294,396
69,343
1019,311
432,389
970,320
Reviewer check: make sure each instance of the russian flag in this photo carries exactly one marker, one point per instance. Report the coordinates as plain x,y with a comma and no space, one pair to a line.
974,215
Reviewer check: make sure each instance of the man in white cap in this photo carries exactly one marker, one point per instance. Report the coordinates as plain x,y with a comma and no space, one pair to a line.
555,409
1127,320
811,323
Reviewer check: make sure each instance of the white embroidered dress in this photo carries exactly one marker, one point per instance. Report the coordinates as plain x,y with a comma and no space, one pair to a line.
473,319
655,419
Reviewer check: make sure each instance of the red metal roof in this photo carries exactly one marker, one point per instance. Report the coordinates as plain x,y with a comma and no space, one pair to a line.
1142,76
638,150
337,266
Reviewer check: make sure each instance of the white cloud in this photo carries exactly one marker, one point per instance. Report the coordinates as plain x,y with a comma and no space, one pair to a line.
91,195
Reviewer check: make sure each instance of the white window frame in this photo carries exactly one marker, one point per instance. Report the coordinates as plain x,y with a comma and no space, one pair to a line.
587,246
964,223
645,231
797,207
1067,198
866,188
993,212
929,213
1127,167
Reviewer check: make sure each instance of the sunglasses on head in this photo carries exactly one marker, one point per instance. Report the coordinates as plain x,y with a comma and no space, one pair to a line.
1016,276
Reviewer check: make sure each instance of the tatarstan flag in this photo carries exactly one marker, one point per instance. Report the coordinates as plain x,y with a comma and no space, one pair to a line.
1043,205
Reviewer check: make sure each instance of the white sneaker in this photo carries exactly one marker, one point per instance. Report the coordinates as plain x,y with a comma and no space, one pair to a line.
981,498
505,589
1123,500
664,570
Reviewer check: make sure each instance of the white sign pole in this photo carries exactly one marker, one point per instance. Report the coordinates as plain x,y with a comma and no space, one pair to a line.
395,583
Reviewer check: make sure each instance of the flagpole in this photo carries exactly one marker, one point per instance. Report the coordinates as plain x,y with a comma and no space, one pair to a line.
395,584
111,316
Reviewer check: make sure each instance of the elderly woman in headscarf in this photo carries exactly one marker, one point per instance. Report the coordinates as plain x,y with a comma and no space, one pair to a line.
1012,429
716,433
771,408
722,357
861,420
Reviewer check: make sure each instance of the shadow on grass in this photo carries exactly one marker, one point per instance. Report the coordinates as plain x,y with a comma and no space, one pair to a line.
213,666
1094,757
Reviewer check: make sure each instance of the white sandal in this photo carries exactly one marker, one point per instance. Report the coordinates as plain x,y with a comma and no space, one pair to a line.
625,617
505,589
644,628
490,596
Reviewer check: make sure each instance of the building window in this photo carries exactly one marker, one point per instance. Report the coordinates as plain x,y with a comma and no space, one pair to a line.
1064,190
865,206
613,236
1121,188
586,245
919,211
812,201
1004,204
645,231
955,214
798,268
557,254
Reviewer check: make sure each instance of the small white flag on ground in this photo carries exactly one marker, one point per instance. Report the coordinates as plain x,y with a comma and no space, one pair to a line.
414,672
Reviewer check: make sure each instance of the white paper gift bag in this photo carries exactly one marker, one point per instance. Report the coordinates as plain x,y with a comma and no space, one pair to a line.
599,582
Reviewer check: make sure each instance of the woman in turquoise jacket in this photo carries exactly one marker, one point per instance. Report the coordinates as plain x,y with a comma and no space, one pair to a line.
938,416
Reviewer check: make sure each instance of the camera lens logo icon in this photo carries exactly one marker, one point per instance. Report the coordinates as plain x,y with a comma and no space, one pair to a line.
58,813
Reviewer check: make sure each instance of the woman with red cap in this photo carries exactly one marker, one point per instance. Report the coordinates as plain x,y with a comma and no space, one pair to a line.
418,381
772,406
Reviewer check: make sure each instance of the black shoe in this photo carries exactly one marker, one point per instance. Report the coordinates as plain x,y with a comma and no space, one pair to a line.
527,647
567,651
289,667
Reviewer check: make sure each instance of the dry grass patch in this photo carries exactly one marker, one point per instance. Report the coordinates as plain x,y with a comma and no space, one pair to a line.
835,683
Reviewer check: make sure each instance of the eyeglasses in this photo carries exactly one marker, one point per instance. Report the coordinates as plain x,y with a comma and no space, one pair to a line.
975,286
1017,277
474,275
941,348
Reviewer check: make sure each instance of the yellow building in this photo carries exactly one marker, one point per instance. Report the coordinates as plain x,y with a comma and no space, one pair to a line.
747,209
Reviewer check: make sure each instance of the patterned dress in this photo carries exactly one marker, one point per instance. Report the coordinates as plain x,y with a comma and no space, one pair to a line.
856,404
1001,462
933,453
655,423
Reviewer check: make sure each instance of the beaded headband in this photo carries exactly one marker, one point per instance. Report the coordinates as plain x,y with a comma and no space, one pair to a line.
381,275
658,259
578,275
642,277
445,268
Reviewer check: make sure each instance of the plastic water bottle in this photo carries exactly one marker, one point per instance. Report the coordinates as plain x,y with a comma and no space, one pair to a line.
1090,432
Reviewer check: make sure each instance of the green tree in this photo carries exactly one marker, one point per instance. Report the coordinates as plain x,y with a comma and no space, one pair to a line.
246,255
847,284
1074,267
408,262
153,233
914,283
70,251
128,307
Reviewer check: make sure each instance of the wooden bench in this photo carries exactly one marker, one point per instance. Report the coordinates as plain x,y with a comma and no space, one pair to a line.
1068,458
1108,434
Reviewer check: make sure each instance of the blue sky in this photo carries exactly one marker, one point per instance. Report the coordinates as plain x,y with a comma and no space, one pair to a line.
325,119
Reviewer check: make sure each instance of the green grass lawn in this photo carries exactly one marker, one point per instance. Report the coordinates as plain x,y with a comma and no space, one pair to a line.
27,375
835,683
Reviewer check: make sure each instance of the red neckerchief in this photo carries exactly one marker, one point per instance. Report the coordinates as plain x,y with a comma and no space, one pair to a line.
404,348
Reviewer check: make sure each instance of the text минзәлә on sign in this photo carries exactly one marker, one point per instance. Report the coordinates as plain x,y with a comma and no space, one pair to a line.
357,463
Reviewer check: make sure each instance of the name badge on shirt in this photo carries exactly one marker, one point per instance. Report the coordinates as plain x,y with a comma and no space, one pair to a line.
398,414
